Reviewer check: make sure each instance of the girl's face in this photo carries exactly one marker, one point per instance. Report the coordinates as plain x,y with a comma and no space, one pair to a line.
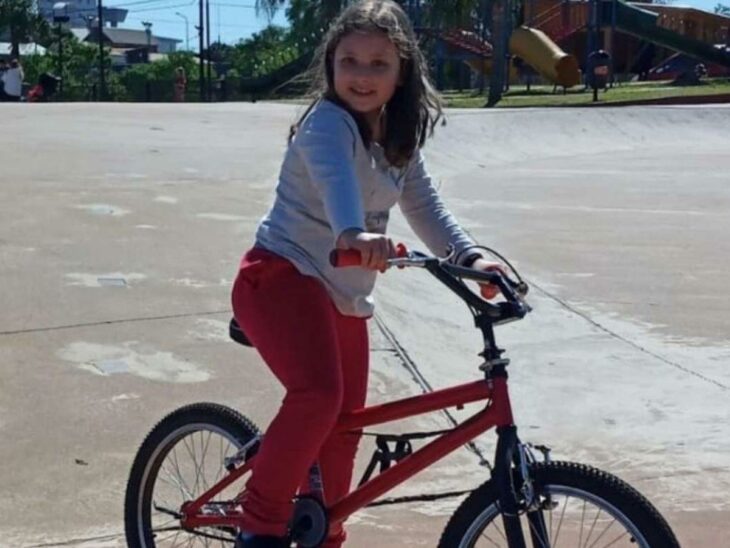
366,71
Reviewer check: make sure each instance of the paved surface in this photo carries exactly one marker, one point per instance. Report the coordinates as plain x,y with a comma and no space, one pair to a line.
121,228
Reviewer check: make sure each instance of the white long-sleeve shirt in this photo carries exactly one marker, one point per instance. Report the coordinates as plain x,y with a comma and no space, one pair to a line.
13,81
330,182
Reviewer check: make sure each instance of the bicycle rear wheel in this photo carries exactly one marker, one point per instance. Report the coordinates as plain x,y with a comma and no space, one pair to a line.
181,458
581,507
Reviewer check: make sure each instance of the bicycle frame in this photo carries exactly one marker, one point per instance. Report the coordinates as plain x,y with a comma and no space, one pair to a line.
497,413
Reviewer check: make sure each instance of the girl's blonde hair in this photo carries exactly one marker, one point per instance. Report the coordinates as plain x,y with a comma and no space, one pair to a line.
415,107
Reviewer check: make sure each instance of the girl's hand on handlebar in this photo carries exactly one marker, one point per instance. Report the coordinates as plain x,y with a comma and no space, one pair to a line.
375,249
488,291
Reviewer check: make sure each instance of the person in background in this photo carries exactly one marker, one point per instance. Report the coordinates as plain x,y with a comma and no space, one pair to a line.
12,80
3,68
181,83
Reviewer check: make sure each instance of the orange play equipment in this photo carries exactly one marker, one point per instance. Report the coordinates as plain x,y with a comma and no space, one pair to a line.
541,53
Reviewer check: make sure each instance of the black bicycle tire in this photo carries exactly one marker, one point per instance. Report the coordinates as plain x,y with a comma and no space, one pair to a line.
642,514
229,420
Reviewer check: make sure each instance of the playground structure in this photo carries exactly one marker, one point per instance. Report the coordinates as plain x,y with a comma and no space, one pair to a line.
555,39
584,26
552,27
528,44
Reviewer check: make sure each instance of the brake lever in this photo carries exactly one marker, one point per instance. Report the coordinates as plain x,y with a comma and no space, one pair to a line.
519,290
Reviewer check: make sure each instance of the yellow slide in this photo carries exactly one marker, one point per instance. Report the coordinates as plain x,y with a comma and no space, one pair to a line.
541,53
544,55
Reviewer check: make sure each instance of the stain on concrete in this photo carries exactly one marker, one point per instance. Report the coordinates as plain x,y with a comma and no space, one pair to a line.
104,209
221,217
114,279
207,329
166,199
130,358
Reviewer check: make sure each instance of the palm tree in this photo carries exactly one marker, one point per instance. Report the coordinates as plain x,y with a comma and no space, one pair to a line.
327,8
308,18
722,9
268,7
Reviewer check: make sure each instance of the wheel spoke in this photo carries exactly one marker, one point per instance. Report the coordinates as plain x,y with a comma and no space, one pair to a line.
560,523
184,484
550,534
184,492
593,526
540,534
202,459
614,541
485,536
191,453
602,533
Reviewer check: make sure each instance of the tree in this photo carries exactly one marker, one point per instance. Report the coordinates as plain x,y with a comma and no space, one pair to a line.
80,66
722,9
263,52
269,7
306,22
308,18
24,23
154,81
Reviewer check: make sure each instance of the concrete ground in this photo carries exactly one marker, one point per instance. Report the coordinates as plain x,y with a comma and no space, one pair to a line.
120,231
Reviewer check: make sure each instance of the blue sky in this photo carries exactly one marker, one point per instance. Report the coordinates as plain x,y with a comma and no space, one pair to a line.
232,20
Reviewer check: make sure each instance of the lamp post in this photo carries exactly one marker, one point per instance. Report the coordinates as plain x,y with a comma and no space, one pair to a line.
102,76
209,76
60,16
148,30
187,34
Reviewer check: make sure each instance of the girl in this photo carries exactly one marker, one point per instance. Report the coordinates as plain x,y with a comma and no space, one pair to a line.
351,157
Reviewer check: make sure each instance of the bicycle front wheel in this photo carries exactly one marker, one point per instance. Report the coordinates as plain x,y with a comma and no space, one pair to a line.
181,458
581,507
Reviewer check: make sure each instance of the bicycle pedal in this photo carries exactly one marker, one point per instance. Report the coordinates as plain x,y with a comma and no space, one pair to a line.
309,524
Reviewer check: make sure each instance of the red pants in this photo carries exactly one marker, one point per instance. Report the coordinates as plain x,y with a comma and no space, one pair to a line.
321,358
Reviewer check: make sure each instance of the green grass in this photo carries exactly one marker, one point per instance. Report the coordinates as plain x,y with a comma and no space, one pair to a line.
542,96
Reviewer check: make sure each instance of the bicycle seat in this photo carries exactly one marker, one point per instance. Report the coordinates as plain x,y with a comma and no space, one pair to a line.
237,334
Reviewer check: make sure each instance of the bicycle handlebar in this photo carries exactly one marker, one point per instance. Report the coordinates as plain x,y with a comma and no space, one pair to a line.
340,258
451,275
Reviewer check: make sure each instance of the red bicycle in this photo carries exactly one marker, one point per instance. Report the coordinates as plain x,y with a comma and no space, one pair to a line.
186,481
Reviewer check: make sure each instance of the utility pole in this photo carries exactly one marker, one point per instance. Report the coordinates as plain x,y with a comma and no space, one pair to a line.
60,59
201,29
207,50
102,76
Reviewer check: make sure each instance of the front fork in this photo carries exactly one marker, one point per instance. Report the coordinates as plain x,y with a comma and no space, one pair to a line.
517,494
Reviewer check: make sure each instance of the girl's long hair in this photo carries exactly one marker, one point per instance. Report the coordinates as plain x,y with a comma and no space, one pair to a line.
415,107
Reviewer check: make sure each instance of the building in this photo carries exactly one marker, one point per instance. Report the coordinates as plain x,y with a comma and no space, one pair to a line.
25,49
83,13
130,46
133,39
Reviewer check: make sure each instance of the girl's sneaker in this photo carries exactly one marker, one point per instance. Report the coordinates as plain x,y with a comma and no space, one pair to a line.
260,541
